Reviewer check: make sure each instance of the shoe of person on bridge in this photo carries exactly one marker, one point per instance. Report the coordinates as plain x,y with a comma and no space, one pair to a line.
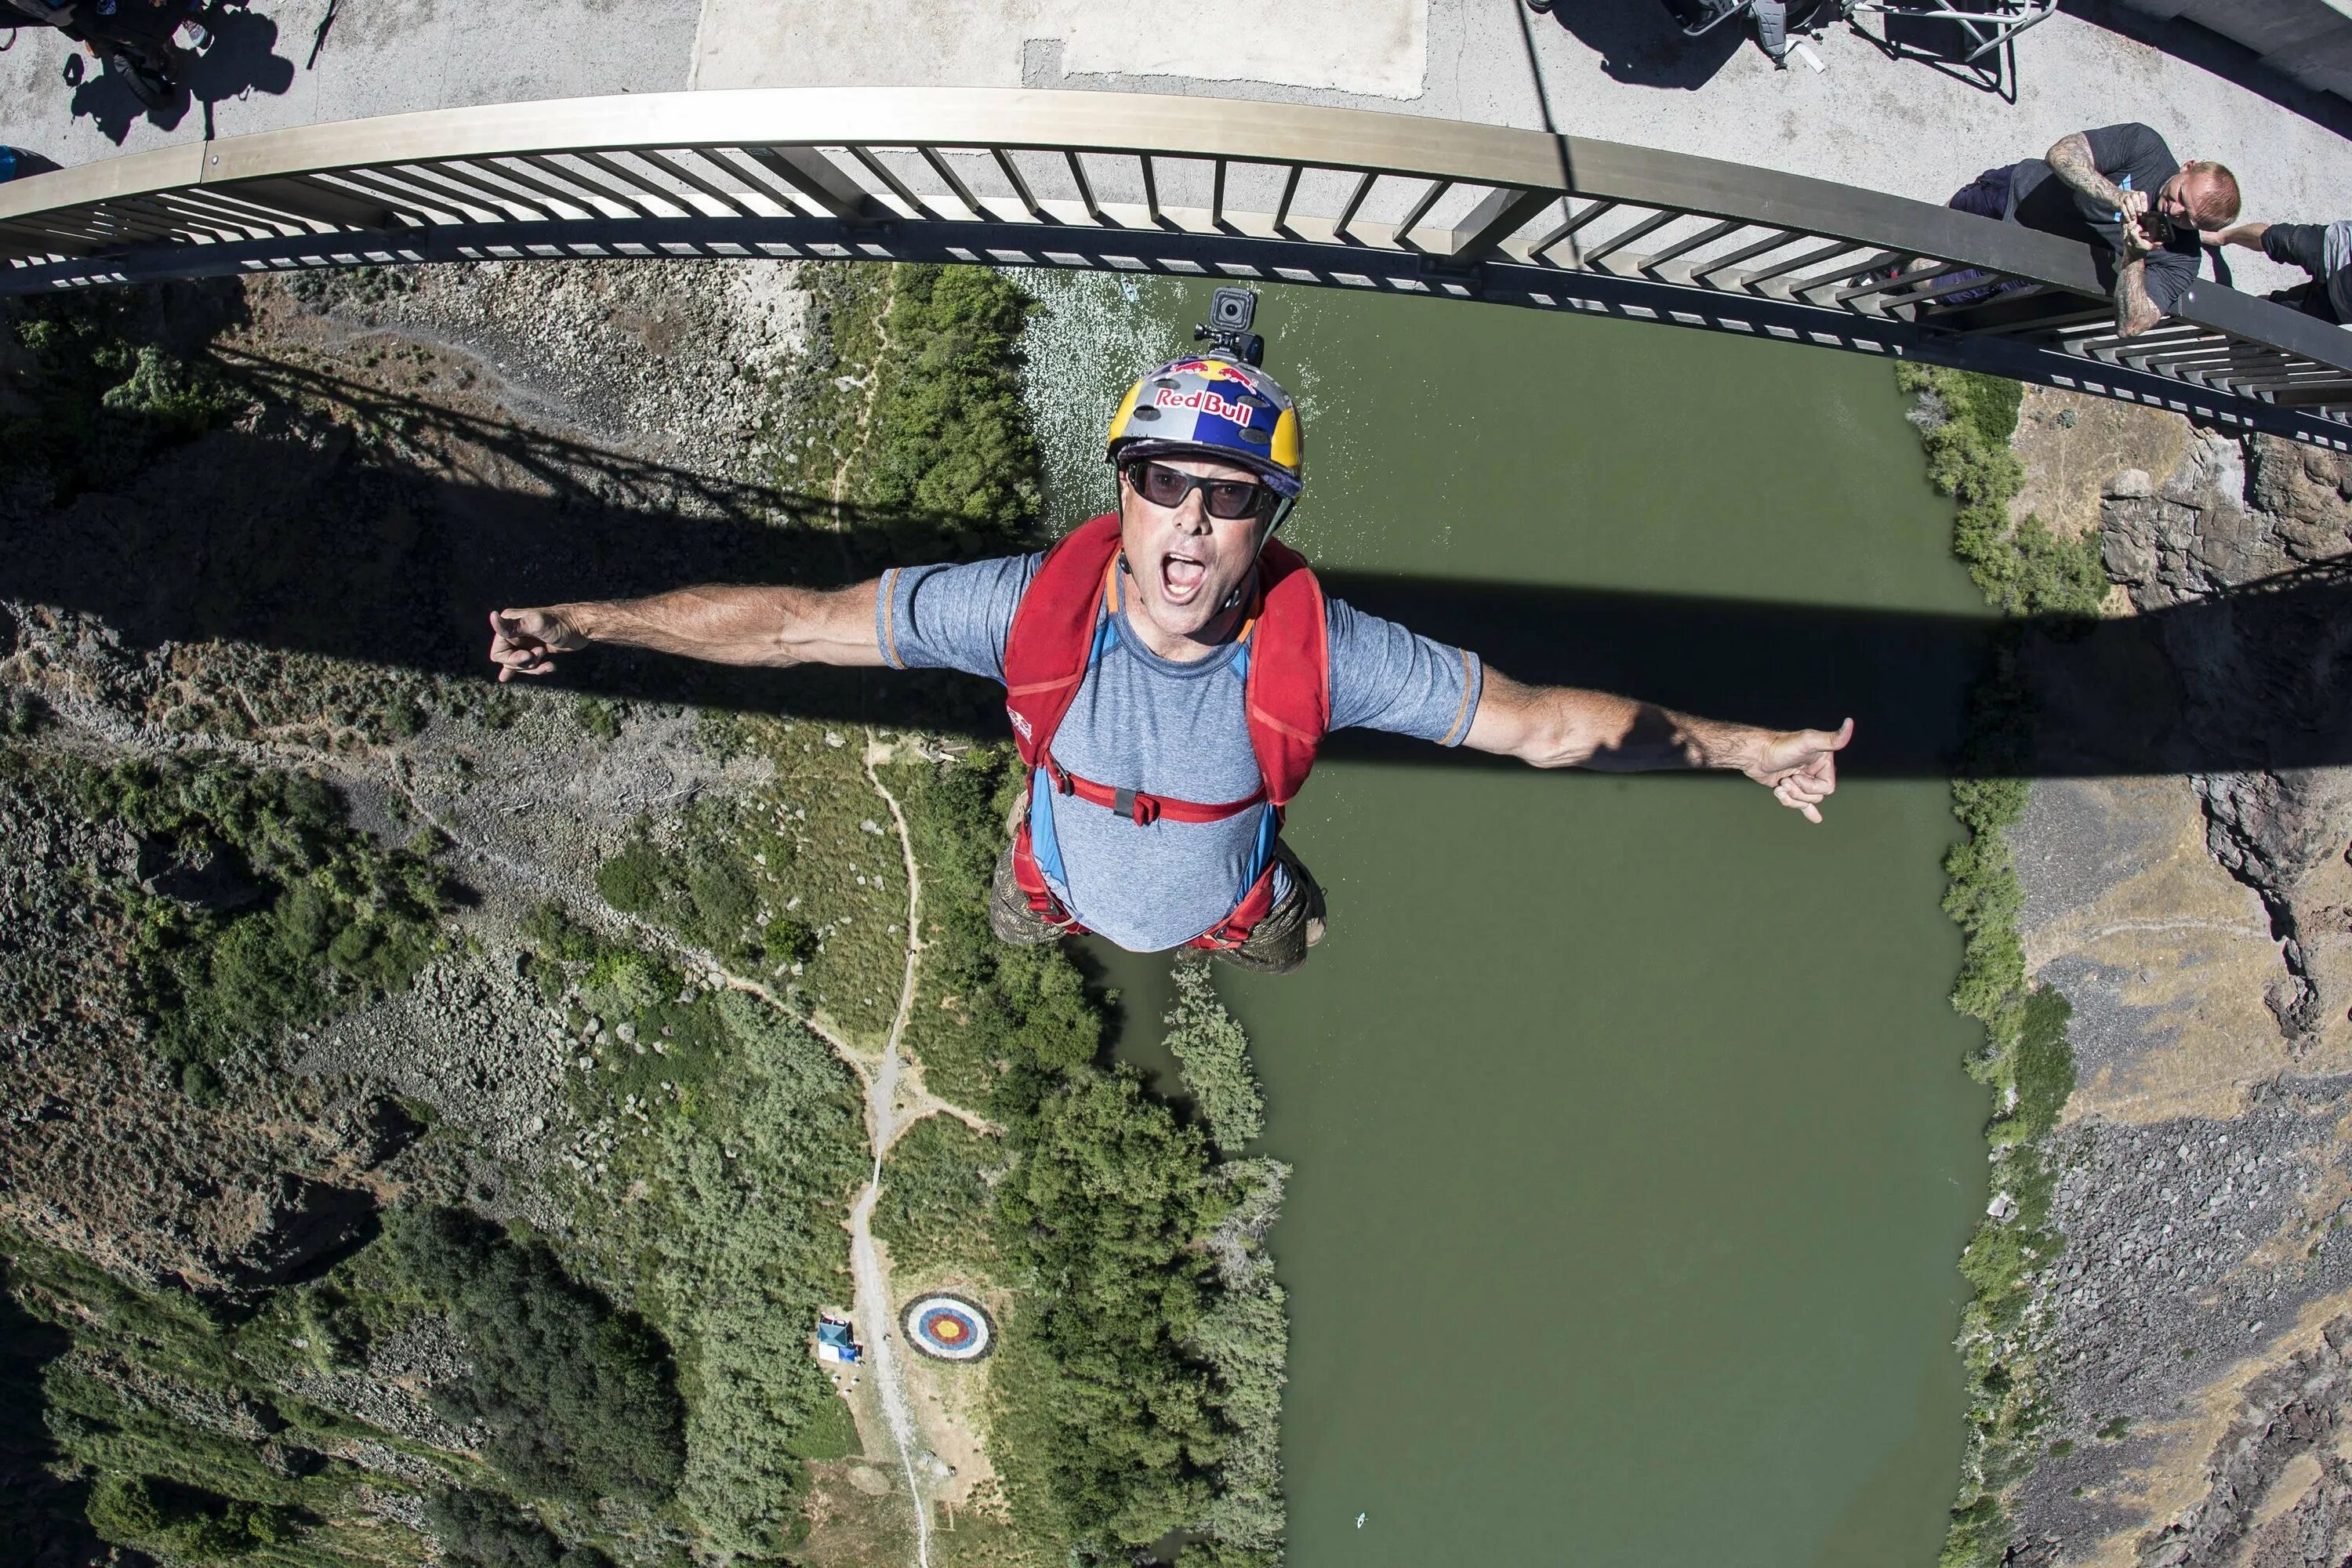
1171,670
2321,249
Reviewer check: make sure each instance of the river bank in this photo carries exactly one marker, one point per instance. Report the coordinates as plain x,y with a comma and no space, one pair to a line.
2161,1299
676,1011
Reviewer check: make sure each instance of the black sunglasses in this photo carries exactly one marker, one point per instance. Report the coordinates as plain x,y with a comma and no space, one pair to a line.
1167,487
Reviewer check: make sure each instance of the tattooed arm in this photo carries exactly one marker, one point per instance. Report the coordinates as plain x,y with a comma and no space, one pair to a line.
2135,311
2072,160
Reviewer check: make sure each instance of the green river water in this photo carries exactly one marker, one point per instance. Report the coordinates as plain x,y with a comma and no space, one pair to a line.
1631,1149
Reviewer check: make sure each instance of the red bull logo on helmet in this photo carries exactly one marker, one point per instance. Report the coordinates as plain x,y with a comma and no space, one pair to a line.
1208,402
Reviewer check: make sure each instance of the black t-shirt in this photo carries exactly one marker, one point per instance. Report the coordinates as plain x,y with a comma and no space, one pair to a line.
2135,157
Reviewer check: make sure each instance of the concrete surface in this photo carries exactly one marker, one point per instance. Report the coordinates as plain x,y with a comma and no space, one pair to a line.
1370,47
1612,68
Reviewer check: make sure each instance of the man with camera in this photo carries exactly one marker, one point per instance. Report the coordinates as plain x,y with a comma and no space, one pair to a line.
2118,187
1171,670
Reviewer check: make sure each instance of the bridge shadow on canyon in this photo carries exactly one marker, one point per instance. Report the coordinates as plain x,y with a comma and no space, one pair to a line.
388,543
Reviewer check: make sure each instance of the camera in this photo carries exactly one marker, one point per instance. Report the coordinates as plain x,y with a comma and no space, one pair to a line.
2157,226
1227,332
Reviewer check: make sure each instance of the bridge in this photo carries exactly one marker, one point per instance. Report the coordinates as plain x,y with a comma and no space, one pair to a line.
1137,183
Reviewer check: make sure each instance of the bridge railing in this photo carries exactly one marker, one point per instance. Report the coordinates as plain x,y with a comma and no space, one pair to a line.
1148,182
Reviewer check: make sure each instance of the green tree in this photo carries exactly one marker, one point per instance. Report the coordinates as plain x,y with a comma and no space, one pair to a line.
1966,421
478,1531
1213,1055
581,1400
332,917
1104,1211
951,437
933,1211
185,1521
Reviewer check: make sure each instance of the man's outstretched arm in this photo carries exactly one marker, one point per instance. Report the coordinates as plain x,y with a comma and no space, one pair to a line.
1563,727
723,625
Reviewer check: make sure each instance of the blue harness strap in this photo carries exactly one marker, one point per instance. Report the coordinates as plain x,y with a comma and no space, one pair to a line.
1046,846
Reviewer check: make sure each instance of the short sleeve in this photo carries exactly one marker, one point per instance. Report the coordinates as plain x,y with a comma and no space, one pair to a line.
951,617
2133,149
1384,677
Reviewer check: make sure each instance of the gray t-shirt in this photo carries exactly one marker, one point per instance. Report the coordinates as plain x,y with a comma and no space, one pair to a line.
1177,731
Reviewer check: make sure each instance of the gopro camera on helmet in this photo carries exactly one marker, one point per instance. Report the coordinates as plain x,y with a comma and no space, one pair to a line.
1227,332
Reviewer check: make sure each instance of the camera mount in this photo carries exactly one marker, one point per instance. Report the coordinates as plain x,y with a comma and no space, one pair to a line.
1227,330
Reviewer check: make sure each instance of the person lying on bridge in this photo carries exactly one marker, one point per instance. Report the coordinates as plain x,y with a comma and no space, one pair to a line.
2120,188
1171,670
2321,249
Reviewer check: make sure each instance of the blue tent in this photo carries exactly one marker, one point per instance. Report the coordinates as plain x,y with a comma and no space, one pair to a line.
833,1337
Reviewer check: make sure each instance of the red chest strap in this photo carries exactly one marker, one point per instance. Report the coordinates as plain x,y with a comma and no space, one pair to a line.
1286,696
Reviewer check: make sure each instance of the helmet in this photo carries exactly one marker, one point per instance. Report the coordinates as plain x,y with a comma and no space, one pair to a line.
1215,407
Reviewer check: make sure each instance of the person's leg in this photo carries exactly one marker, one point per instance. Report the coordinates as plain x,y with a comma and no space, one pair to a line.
1278,943
1986,196
1008,914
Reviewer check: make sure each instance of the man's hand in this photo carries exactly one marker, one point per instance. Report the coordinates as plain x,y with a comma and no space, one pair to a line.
2247,235
2133,204
523,642
1799,766
1566,727
777,626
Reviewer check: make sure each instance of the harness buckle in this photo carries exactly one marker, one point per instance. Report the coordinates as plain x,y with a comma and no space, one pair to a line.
1141,809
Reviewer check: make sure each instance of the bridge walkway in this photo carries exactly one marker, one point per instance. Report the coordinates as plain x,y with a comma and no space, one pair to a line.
1614,71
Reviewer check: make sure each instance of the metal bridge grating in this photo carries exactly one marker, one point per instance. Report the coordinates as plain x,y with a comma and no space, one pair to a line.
1186,186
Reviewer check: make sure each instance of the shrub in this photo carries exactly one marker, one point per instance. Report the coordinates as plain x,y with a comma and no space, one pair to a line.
477,1531
736,1242
551,928
1023,1005
934,1209
101,398
1108,1202
1214,1054
1966,421
951,437
598,717
335,918
185,1521
2043,1066
788,941
624,980
581,1400
723,900
631,881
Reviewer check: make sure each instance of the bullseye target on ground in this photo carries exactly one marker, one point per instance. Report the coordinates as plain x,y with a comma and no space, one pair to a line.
949,1328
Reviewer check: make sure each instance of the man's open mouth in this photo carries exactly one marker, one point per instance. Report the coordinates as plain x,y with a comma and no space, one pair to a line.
1181,576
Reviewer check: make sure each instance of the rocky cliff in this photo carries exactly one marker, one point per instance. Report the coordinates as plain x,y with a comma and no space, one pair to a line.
2187,887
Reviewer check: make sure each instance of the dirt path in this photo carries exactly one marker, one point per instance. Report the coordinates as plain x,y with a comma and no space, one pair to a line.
883,1122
